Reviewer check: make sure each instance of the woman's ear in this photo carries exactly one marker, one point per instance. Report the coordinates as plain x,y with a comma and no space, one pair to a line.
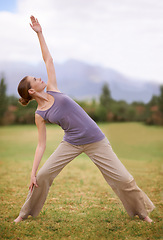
31,91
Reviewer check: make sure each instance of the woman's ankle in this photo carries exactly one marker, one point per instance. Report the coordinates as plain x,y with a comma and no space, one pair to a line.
148,219
18,219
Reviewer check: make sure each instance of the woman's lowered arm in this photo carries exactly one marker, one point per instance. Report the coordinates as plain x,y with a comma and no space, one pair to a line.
39,150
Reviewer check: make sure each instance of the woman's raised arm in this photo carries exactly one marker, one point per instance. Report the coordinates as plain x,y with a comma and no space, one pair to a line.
52,82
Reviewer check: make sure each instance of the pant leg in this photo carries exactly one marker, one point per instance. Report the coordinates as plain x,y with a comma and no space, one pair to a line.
52,167
121,181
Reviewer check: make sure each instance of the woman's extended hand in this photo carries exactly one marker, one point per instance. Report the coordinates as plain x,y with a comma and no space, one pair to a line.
32,183
35,24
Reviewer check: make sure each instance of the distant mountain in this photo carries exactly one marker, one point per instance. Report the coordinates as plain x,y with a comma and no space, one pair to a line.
81,80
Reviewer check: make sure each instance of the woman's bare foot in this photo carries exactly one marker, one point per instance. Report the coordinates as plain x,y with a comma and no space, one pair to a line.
148,219
18,219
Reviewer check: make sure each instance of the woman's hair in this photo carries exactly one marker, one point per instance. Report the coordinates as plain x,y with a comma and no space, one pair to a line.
23,88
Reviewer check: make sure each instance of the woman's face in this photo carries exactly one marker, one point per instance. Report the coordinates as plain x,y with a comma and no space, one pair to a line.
36,83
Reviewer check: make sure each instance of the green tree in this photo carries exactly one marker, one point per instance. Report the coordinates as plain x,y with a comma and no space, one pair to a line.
105,97
154,101
12,100
3,99
160,99
101,114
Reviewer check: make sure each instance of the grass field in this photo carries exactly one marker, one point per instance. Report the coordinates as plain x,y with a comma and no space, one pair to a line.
80,204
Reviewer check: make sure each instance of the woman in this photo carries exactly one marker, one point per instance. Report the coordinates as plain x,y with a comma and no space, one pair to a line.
81,135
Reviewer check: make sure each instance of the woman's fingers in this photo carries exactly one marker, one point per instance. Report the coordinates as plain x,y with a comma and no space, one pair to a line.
35,24
35,183
31,25
32,184
31,187
33,19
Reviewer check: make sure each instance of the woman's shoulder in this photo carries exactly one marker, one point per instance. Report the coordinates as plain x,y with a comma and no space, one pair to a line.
53,92
38,117
52,89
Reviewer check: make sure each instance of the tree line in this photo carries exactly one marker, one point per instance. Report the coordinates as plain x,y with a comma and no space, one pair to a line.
106,109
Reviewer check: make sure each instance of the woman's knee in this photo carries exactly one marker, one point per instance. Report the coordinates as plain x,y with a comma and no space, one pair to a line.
128,184
42,176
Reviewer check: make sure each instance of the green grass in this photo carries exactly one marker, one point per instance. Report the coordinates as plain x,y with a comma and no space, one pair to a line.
80,204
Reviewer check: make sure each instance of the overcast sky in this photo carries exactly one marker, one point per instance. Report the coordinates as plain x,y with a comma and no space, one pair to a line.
125,35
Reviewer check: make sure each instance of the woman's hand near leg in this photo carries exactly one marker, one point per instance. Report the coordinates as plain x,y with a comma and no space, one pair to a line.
33,183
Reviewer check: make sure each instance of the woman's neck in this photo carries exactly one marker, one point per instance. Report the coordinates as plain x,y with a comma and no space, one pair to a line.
43,99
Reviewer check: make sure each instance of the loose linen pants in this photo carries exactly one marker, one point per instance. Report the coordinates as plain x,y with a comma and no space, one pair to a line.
134,200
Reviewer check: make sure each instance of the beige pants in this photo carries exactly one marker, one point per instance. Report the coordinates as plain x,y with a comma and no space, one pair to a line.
133,198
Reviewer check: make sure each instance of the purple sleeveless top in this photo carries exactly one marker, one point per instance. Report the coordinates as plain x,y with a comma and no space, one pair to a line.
79,128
